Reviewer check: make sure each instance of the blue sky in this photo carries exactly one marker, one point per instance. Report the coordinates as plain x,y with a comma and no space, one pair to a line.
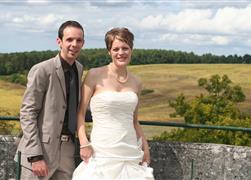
211,26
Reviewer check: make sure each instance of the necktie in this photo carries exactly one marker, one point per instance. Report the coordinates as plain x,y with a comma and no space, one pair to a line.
72,102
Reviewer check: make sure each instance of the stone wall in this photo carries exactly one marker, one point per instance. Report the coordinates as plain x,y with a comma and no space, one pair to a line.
186,161
170,160
7,152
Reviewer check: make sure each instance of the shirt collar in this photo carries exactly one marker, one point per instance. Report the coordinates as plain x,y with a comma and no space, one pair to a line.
66,66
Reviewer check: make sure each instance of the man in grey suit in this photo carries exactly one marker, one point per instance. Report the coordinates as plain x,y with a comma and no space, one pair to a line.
48,110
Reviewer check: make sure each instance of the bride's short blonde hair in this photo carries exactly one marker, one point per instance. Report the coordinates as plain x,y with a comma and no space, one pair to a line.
122,34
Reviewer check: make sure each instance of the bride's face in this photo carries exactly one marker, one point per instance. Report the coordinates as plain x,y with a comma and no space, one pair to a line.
120,53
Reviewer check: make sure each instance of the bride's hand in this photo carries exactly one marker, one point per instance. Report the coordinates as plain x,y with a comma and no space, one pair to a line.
86,153
146,157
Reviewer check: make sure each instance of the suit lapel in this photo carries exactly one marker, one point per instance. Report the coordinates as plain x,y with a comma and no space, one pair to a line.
60,74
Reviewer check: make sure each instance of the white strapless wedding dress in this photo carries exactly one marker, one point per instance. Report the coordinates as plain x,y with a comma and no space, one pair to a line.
117,151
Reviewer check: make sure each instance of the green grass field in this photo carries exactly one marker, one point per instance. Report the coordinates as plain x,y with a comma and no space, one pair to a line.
167,81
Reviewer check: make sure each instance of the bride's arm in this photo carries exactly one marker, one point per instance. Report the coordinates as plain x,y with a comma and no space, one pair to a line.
86,93
140,134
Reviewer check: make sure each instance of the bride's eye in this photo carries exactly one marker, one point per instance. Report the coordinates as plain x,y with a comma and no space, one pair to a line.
125,48
115,49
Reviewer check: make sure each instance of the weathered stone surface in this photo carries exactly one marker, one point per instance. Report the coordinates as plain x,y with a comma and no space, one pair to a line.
7,152
186,161
170,160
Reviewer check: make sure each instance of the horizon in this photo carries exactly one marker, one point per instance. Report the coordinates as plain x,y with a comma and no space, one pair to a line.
226,55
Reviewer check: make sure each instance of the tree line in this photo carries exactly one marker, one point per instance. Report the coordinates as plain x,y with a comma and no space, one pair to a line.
21,62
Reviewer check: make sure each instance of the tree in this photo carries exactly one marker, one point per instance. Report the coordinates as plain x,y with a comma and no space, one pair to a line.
217,107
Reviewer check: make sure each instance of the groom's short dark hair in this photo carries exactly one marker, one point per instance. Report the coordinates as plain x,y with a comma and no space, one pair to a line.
68,24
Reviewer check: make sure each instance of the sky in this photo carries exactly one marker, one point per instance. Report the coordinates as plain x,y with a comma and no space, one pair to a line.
220,27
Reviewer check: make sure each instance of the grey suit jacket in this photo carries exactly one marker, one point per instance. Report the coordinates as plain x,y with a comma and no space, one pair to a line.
42,111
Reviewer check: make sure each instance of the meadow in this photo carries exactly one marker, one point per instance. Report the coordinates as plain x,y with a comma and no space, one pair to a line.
166,80
10,98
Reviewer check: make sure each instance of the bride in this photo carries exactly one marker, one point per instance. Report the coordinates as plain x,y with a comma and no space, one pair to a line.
117,148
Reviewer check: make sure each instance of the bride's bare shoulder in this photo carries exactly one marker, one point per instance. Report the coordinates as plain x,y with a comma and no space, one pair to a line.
96,72
136,80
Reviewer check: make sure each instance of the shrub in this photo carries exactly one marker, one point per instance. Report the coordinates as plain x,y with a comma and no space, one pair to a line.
217,107
146,91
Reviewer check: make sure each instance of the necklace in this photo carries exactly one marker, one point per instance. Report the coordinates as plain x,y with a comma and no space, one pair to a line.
122,81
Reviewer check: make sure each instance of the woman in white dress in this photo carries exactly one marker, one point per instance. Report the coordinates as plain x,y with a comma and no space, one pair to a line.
117,148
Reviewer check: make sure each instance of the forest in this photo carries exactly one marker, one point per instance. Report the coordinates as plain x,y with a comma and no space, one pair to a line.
20,62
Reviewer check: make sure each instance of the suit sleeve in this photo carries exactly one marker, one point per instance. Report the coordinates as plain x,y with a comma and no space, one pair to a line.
31,107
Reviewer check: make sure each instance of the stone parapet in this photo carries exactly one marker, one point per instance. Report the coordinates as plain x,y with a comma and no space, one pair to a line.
170,160
7,152
200,161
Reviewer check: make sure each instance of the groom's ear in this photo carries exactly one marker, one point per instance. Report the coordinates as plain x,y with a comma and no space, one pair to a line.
59,42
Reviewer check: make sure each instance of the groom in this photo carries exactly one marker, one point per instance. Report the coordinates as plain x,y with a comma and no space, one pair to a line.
48,110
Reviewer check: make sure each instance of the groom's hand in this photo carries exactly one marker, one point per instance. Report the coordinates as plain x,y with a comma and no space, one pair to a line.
86,153
40,168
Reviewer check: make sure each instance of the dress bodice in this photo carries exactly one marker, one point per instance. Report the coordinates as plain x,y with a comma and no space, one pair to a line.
113,109
113,128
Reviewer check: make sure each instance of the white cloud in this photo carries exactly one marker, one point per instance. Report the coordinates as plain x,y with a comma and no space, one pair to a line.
28,23
213,4
191,20
225,20
220,40
248,42
152,22
186,39
37,1
233,20
49,19
202,24
196,27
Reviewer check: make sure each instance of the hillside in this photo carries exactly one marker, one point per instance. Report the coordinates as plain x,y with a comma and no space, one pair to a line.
10,98
167,81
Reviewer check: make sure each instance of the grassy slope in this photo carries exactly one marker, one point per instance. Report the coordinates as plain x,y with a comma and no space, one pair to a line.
10,98
167,81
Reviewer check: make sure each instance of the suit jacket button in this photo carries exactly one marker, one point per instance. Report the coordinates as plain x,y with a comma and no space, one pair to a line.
63,106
